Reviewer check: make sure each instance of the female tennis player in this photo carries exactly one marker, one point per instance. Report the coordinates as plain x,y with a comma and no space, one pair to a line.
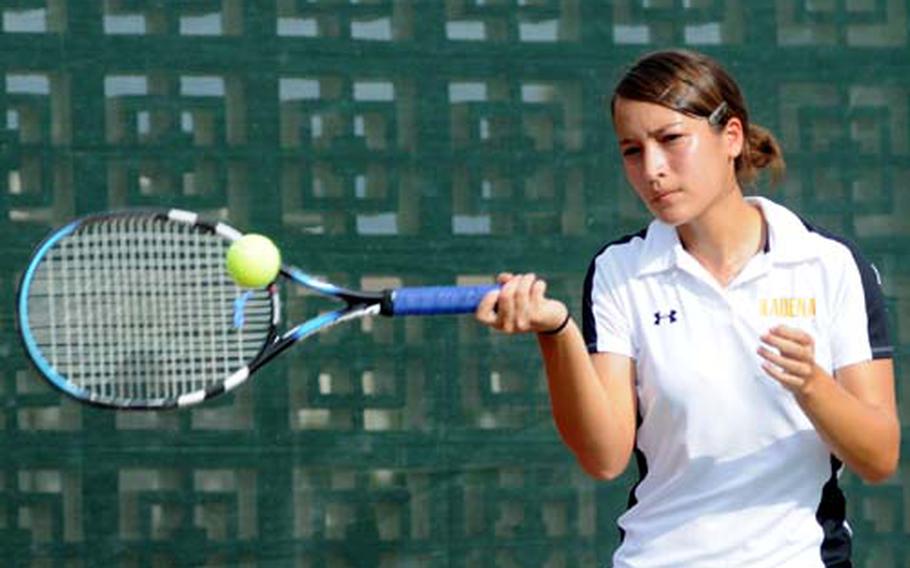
739,352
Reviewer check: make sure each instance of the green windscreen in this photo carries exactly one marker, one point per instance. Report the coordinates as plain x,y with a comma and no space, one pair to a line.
383,143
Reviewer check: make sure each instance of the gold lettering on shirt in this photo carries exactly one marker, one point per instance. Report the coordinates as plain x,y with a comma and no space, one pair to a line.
787,307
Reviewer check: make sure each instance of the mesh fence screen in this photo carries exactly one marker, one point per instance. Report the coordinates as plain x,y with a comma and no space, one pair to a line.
381,143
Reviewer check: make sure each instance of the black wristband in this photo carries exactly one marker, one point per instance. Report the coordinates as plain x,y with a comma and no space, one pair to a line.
561,327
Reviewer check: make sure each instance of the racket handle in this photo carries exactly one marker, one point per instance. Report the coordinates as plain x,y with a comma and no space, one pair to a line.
434,300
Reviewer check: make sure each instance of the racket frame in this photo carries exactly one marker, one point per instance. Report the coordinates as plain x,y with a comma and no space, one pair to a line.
47,371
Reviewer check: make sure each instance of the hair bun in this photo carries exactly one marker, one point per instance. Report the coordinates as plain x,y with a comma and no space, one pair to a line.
761,151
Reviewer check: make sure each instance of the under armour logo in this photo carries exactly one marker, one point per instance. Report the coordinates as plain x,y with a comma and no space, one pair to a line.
659,317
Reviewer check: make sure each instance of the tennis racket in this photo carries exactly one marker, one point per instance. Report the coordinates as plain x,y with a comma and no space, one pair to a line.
135,310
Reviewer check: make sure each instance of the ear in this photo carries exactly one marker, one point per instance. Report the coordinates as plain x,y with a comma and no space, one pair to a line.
734,137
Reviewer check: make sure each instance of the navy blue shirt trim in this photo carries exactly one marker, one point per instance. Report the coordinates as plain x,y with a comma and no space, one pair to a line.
831,514
876,311
588,325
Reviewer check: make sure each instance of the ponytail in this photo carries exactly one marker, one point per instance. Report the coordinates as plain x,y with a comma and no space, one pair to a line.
760,151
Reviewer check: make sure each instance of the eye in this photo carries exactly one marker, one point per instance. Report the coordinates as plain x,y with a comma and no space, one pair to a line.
672,137
630,151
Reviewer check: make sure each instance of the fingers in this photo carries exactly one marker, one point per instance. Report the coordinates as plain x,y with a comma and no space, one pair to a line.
794,341
789,381
486,309
791,343
789,356
523,302
514,304
498,307
539,290
519,305
504,277
792,367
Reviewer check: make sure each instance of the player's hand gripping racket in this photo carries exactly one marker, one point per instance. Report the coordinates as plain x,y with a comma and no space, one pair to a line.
135,309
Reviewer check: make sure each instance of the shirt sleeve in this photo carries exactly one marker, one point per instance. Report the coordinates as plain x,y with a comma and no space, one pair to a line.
860,326
605,317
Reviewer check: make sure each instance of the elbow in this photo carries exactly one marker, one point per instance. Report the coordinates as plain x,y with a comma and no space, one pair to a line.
882,470
603,458
603,462
603,475
874,476
601,470
884,466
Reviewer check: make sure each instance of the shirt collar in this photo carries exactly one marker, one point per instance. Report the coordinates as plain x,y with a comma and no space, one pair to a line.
660,250
788,240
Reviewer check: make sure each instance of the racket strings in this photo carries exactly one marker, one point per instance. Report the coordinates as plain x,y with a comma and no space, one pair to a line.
141,308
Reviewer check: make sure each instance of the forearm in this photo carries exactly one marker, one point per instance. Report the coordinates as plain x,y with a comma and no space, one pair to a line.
592,398
598,427
863,436
854,413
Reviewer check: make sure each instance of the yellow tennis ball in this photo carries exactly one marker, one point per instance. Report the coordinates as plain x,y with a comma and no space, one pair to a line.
253,261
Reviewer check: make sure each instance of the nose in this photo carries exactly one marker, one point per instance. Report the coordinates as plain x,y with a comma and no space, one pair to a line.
654,163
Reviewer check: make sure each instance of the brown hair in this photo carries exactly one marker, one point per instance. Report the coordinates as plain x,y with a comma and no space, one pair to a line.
696,85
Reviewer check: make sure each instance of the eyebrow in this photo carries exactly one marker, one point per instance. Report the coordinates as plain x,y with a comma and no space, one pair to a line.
655,131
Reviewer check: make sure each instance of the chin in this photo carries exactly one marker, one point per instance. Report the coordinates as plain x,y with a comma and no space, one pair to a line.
673,216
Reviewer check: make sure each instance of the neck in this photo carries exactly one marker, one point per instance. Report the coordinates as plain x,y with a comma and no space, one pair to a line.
723,238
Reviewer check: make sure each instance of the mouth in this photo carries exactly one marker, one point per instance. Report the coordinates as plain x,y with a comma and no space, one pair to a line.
663,196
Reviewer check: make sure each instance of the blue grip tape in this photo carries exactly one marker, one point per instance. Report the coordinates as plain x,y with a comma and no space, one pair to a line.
438,300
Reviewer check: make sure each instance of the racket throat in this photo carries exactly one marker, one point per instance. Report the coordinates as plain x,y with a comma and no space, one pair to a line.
387,303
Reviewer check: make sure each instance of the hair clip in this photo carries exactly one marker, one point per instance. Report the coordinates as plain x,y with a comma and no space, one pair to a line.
717,114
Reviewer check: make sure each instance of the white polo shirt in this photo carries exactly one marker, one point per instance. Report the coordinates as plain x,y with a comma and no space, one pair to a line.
733,474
